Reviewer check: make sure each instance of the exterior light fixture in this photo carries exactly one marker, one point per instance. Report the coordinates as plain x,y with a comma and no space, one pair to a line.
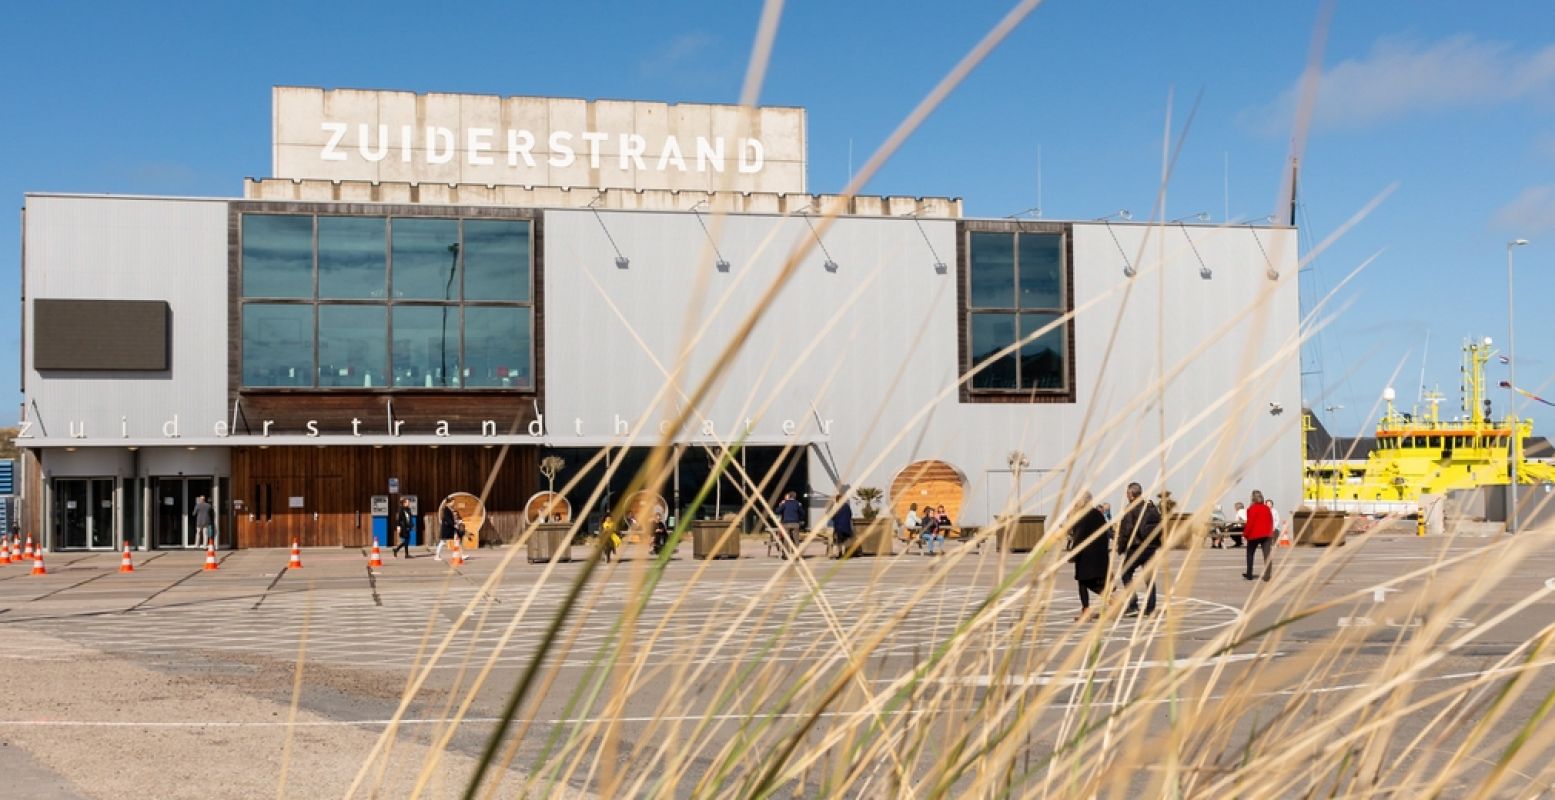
1197,216
1122,214
622,262
939,266
1204,270
1269,271
1128,269
829,264
721,264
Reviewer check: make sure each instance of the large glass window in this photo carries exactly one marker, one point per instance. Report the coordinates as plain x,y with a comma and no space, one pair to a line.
369,302
496,260
352,342
426,259
1015,296
426,346
493,336
277,345
352,263
278,255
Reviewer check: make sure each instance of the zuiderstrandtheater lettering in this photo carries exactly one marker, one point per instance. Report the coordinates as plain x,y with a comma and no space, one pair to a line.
436,144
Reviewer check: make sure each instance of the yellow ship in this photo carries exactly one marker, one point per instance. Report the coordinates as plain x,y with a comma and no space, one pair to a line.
1419,454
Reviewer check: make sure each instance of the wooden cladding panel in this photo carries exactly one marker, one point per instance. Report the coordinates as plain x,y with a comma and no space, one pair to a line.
337,484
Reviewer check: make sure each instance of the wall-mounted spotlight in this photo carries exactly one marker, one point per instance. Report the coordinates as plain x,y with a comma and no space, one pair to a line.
1269,271
829,264
1204,270
1198,216
939,266
622,262
721,263
1275,409
1128,269
1122,214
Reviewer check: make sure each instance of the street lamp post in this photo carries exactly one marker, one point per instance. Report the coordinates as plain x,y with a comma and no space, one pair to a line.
1511,391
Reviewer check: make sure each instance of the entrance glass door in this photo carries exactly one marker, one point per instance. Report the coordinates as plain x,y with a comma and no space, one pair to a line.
84,513
175,499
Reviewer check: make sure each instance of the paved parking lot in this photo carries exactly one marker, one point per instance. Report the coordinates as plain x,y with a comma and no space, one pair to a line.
171,655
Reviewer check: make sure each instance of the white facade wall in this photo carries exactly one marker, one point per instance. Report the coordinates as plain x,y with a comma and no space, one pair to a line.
120,248
872,348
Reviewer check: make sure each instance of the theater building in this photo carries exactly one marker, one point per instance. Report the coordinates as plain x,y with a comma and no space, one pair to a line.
433,293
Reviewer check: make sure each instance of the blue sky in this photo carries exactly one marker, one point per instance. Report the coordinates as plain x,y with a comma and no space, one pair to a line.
1456,108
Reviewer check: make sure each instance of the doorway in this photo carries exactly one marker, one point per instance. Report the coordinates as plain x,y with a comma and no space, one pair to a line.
84,513
174,499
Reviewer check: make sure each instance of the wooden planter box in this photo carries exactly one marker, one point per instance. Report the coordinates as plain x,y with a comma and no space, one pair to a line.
1180,531
1318,527
549,539
1022,534
873,537
715,539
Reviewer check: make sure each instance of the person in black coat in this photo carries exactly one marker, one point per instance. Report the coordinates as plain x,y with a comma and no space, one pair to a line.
1089,550
1139,537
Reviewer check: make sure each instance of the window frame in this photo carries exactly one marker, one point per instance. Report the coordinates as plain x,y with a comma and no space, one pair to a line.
237,301
964,311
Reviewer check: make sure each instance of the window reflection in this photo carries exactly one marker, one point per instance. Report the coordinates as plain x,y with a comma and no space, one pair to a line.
990,334
496,260
496,346
352,258
277,345
426,259
426,346
351,346
993,270
277,255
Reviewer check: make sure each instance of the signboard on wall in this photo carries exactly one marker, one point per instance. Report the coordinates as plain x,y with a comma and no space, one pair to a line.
369,135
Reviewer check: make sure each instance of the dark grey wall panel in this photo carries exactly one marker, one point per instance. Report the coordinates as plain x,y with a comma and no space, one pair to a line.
101,334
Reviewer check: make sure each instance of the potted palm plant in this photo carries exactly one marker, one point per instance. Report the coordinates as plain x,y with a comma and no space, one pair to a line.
874,532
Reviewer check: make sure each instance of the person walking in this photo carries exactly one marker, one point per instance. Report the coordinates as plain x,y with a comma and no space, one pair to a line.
404,523
203,515
608,540
842,525
1260,527
1089,550
447,528
791,514
1138,541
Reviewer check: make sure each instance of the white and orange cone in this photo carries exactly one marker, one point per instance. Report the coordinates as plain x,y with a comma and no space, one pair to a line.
5,550
126,564
27,554
377,559
458,557
296,560
210,557
37,564
1284,540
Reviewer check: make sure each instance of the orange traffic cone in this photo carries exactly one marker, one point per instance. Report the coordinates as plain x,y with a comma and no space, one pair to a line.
458,558
27,554
5,550
37,564
210,557
377,559
126,564
1284,540
296,560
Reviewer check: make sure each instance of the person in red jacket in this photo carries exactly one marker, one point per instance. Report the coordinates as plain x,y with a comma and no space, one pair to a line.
1260,529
